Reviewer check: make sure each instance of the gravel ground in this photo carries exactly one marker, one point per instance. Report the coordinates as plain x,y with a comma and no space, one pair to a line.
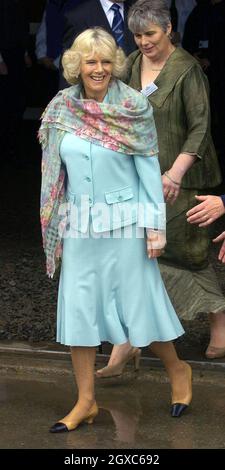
28,297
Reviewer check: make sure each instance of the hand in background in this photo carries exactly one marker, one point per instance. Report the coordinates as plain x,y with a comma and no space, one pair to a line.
209,209
3,68
221,255
47,62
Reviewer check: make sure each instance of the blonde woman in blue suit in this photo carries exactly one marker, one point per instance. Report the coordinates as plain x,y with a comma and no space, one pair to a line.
102,210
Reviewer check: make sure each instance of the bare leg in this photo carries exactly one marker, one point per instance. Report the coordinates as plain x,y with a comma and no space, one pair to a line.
217,329
83,359
120,355
119,351
216,346
178,371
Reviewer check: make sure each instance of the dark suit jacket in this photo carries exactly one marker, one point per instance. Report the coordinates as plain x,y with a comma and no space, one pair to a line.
89,14
14,27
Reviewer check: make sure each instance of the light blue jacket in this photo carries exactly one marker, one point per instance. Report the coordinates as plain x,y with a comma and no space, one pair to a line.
111,189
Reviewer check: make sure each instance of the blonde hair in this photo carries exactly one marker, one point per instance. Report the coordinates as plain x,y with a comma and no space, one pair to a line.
93,41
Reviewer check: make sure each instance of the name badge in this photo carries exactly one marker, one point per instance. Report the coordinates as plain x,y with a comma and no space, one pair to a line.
149,89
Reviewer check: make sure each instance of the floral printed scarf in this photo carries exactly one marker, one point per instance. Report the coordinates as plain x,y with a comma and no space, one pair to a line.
124,123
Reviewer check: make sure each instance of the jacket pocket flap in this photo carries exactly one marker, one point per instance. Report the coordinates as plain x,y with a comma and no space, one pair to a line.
119,195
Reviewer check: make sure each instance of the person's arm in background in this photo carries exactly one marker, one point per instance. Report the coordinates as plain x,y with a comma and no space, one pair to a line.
41,46
190,41
196,36
73,22
70,30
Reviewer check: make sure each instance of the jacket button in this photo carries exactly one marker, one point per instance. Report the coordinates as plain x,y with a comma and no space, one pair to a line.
88,179
120,198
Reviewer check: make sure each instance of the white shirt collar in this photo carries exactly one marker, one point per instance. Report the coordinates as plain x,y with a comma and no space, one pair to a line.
106,5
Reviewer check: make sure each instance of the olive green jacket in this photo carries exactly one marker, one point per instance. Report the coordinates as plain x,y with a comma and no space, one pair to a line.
182,116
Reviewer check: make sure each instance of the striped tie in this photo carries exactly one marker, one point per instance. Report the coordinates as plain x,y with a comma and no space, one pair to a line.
118,25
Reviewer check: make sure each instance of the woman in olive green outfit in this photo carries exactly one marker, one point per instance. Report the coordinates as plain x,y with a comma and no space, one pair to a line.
178,91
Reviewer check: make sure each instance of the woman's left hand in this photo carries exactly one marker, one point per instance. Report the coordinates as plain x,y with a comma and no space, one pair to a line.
171,187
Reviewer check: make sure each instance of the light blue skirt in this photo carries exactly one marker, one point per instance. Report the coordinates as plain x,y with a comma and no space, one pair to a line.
110,291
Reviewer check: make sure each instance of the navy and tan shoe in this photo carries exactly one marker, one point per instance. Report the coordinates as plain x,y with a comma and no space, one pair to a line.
179,406
89,419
